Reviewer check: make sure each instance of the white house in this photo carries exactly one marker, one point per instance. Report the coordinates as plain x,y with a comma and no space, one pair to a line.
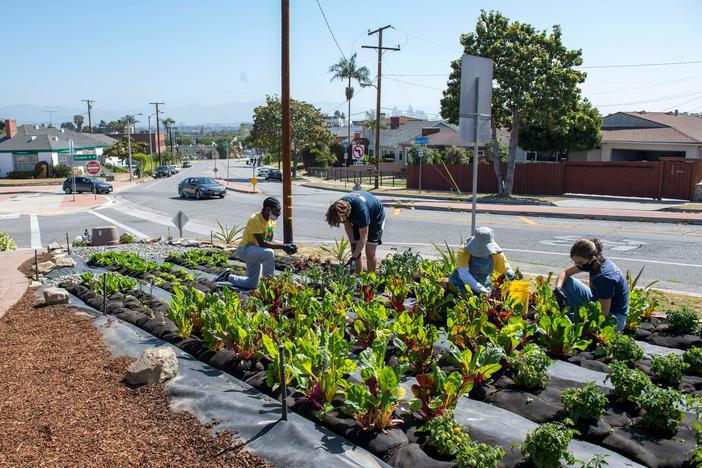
23,146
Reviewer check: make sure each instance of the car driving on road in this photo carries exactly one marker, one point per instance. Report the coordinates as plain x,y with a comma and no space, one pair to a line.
200,187
262,171
86,184
162,171
187,164
274,174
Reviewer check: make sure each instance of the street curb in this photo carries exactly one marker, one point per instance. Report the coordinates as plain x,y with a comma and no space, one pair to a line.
565,215
422,197
257,191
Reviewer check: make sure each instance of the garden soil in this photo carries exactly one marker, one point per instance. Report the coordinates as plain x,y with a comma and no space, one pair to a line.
64,403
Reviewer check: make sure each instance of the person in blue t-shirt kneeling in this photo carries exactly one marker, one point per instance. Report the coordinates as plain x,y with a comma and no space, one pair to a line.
363,217
607,283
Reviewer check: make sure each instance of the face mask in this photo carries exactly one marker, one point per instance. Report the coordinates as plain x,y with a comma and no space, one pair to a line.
584,267
273,217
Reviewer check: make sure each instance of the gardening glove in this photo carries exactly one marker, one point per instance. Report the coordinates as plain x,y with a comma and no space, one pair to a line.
351,264
290,249
560,297
482,289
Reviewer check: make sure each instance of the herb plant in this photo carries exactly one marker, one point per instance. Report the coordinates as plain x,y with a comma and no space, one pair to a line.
693,359
625,348
668,368
547,445
661,408
473,454
584,403
628,383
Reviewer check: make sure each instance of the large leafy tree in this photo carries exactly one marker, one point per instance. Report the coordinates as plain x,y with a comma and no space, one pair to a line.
308,127
534,80
120,149
578,130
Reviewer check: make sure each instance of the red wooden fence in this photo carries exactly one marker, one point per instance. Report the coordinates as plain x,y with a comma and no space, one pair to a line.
668,178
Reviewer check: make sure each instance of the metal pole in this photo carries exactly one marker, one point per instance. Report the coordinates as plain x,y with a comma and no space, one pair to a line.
151,147
129,149
285,111
36,265
90,119
104,294
68,245
73,172
283,386
346,150
377,106
421,163
475,160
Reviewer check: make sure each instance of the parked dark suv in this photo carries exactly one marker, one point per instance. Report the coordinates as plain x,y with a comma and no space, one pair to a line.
86,184
200,187
162,171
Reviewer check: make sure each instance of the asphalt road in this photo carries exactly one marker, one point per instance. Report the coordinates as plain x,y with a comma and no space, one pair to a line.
670,253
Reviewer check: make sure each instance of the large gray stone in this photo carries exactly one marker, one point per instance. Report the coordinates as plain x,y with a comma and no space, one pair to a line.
44,267
153,366
65,262
55,296
54,246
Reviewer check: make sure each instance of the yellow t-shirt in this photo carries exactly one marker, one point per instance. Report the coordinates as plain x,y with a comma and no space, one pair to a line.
257,225
500,263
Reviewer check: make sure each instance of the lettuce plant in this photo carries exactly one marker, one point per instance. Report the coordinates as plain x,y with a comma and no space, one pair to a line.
374,402
414,341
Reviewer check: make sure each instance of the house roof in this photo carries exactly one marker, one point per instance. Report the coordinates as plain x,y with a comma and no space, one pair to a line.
394,137
30,138
681,129
342,132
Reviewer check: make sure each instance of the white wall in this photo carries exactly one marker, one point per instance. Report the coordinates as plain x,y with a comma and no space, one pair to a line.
5,164
48,157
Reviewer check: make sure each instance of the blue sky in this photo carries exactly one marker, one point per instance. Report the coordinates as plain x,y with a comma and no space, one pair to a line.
125,54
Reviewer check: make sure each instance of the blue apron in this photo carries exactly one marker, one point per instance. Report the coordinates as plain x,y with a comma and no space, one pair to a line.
480,269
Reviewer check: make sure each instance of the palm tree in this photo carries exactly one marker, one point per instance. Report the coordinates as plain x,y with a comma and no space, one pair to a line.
345,69
78,120
168,125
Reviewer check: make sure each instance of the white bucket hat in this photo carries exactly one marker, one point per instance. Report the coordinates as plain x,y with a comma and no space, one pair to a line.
482,244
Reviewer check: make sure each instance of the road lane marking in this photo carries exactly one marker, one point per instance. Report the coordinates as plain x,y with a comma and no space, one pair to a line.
35,232
164,220
152,185
526,220
139,234
397,211
10,216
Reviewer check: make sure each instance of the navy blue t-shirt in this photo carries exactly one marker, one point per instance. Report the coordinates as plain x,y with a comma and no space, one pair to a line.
365,209
609,283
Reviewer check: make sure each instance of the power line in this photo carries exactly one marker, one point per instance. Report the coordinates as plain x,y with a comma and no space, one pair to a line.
632,65
414,84
682,103
330,29
658,99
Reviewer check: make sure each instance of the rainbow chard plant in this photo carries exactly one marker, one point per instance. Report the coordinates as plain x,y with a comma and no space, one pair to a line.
373,403
561,336
513,335
185,310
438,392
369,285
431,298
270,351
467,323
398,290
596,326
370,318
414,341
479,366
321,363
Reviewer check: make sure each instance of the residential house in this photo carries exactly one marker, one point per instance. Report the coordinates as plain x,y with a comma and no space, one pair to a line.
143,137
25,145
646,136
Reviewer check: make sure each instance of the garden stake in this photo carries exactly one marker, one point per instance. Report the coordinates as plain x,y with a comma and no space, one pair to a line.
36,265
68,245
211,241
283,387
104,294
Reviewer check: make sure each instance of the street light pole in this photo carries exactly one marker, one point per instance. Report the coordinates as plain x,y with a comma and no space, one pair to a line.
129,149
285,114
158,131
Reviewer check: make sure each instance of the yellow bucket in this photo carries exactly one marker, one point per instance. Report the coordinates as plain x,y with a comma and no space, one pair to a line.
519,290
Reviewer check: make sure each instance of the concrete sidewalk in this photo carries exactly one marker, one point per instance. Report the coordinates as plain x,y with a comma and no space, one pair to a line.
12,283
649,216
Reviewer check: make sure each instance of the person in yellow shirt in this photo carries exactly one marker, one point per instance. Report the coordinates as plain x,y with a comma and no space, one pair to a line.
477,258
256,247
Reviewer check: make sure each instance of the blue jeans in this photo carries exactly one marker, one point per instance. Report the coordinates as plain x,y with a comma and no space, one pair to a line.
577,294
259,262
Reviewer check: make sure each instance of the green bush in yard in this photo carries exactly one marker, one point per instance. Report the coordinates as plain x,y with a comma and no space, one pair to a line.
60,171
547,445
625,348
668,368
6,242
693,358
586,403
683,320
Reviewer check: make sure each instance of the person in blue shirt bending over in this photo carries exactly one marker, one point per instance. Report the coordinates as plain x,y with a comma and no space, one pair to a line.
607,283
363,217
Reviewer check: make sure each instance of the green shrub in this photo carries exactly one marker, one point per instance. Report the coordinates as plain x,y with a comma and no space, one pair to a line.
530,368
683,319
6,242
127,238
61,171
473,454
693,358
587,403
20,175
668,368
625,348
661,408
547,445
41,170
628,383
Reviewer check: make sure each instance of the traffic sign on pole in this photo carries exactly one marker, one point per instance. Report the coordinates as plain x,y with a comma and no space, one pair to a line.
422,140
180,220
92,167
358,152
84,157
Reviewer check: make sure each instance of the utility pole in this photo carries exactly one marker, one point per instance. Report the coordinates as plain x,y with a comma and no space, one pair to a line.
158,132
90,117
380,49
151,145
51,117
285,103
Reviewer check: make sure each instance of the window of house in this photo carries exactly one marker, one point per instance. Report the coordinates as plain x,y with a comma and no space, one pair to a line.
481,153
65,159
24,162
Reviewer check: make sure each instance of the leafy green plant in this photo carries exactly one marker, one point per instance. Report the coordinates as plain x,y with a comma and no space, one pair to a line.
414,341
7,242
628,383
624,348
474,454
274,291
369,285
404,264
661,408
321,364
431,299
340,250
227,235
693,403
547,445
642,301
597,461
270,351
530,367
467,323
370,318
668,368
398,289
693,358
596,326
447,256
127,238
514,334
561,336
185,309
476,366
584,403
683,320
373,403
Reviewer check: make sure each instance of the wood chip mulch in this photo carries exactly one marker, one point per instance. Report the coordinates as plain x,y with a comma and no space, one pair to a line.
63,402
27,268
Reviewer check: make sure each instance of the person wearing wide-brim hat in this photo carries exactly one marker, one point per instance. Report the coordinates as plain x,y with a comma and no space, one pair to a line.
477,259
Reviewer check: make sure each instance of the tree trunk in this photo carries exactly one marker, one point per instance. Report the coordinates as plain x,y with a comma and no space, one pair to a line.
496,163
512,154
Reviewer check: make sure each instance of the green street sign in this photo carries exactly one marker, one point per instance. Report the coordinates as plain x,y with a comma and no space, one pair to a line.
84,157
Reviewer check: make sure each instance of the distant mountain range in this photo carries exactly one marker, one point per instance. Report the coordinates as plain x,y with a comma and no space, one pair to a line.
231,113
